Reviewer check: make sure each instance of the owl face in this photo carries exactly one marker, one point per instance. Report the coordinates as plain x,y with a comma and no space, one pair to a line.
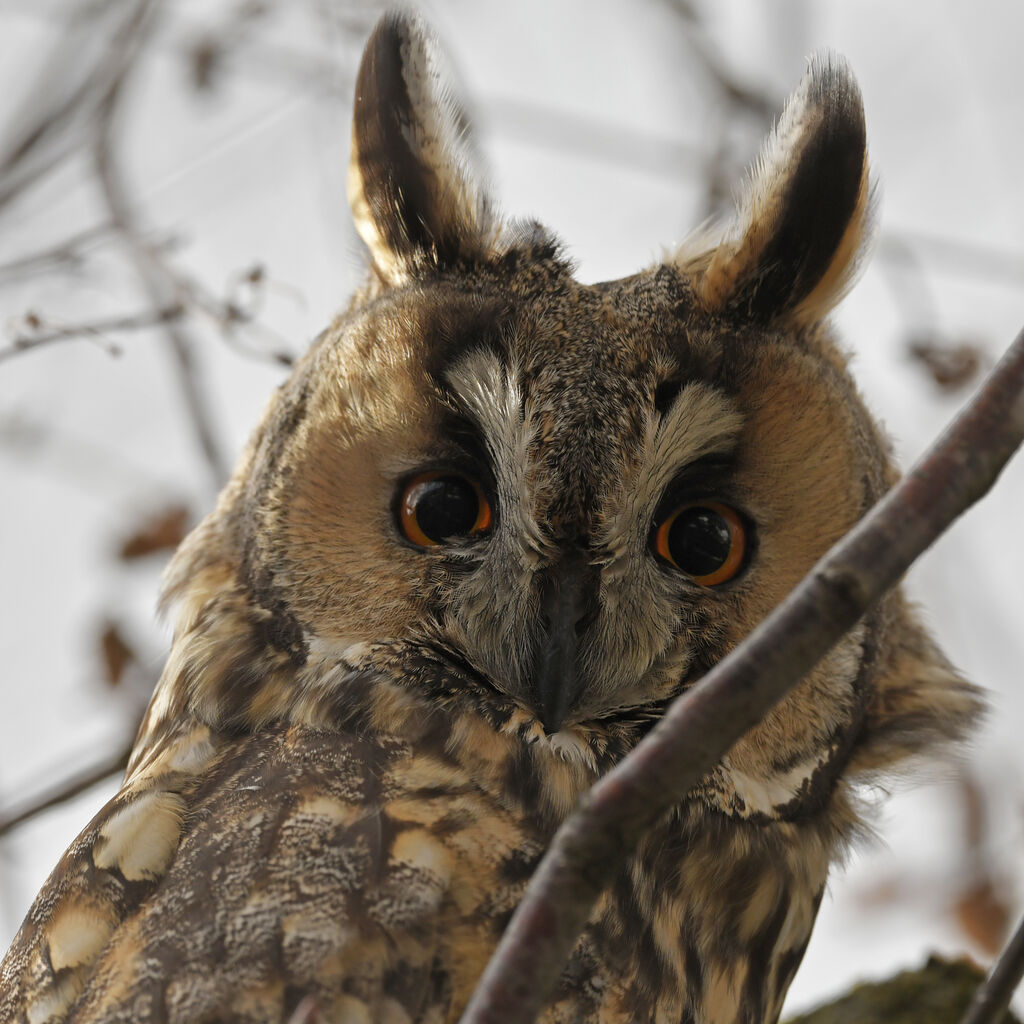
587,493
572,499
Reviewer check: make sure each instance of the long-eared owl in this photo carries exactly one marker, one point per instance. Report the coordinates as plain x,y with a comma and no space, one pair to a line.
494,521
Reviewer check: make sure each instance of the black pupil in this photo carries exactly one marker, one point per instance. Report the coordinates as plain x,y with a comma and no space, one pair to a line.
446,506
699,541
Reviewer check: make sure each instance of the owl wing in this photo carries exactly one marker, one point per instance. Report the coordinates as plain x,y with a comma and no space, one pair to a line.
298,870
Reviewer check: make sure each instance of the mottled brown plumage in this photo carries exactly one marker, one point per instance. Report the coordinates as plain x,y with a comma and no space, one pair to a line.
363,740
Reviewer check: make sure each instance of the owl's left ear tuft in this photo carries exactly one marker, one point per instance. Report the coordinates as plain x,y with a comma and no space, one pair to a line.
414,183
795,245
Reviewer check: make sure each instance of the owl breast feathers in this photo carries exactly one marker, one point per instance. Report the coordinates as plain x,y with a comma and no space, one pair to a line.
492,524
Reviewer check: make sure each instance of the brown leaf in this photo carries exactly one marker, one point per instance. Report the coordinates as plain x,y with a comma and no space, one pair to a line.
205,61
161,532
116,653
984,916
951,366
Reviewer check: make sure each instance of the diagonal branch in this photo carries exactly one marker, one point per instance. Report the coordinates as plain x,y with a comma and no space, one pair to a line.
701,726
53,124
992,999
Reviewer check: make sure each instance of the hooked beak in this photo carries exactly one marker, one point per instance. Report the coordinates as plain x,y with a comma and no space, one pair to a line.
569,605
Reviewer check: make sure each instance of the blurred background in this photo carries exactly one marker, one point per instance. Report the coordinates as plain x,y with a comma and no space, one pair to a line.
174,231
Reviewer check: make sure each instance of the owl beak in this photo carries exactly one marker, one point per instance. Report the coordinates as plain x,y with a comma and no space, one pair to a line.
568,603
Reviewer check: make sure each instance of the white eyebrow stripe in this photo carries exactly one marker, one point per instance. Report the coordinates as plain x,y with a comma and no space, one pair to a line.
488,391
701,421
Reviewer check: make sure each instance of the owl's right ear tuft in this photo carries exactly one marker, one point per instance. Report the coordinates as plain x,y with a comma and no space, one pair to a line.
414,183
795,245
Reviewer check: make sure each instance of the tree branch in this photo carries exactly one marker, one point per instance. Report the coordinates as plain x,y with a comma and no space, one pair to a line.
69,255
67,790
40,333
992,999
160,285
53,123
701,726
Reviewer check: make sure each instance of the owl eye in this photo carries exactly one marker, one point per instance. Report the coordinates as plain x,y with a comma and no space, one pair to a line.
439,506
707,540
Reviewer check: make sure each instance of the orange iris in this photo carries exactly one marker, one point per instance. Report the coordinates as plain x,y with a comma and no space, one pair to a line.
441,505
704,539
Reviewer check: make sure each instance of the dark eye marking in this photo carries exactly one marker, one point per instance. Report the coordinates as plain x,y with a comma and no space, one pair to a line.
665,394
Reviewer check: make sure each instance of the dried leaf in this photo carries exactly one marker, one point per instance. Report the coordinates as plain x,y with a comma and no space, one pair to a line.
205,60
116,653
984,916
951,366
885,892
161,532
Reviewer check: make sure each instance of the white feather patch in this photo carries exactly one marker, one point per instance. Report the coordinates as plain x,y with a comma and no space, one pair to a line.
141,839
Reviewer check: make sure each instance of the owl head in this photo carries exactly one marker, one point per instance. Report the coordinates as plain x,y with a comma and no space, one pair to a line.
563,502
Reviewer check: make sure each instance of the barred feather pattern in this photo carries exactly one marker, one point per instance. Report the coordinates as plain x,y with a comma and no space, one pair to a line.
370,856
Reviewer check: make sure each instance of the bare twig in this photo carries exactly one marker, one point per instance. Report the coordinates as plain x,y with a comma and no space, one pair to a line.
68,254
701,726
67,790
55,120
992,999
160,285
41,335
239,309
540,124
954,255
758,101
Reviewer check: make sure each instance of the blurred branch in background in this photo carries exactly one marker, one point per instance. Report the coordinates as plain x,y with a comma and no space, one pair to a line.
159,282
99,42
75,111
67,790
36,332
68,256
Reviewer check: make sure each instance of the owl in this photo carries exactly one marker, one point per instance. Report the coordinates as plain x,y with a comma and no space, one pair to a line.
493,523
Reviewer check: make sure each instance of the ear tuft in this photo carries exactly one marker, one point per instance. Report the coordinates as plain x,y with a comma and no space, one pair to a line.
795,245
414,185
